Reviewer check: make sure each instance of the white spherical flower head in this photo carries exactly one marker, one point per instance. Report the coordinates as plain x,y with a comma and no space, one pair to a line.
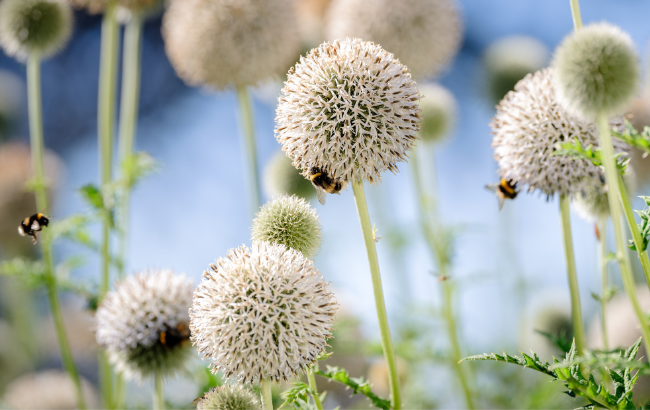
528,125
143,324
349,108
49,389
438,112
218,43
261,313
425,35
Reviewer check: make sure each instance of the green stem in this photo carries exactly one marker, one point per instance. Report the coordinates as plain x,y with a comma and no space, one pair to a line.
159,394
120,392
267,397
314,388
35,106
130,96
576,309
602,254
575,12
386,342
248,140
634,228
427,216
612,180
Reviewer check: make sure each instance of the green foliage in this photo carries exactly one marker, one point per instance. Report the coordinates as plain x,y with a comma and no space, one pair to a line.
299,397
633,138
358,385
644,226
570,371
561,341
575,149
135,168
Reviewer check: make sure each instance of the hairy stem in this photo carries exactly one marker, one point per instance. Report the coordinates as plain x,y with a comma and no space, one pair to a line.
380,306
612,179
267,397
35,106
602,255
159,394
576,309
312,385
248,141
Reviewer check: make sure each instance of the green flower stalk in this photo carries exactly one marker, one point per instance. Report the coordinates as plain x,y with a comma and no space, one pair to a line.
31,30
229,397
289,221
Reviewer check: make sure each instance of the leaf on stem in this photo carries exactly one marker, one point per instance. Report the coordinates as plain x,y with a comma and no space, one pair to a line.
358,385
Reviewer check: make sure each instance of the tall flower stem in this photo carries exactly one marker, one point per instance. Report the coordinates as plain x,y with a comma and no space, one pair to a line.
427,218
267,397
248,141
106,107
575,13
612,179
314,388
576,309
130,96
602,256
35,106
159,394
634,228
380,306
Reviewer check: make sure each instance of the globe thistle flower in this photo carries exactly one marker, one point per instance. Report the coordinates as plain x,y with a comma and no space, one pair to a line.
509,59
281,177
424,35
222,42
50,389
34,26
311,16
596,71
261,313
592,205
528,124
229,397
289,221
143,324
349,108
438,107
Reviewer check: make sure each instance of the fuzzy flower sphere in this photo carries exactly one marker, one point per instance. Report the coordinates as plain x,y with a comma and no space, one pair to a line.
143,324
229,397
425,35
280,178
289,221
261,313
49,389
222,42
34,26
528,124
438,107
596,71
349,108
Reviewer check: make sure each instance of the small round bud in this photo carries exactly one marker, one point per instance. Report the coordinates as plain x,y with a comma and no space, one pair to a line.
34,26
509,59
229,397
289,221
438,107
596,71
281,177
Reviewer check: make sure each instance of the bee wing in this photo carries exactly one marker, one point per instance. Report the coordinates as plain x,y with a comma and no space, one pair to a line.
196,401
502,200
21,231
321,195
492,187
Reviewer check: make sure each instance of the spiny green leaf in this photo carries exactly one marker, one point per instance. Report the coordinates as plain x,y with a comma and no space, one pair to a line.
93,196
136,167
575,149
632,137
358,385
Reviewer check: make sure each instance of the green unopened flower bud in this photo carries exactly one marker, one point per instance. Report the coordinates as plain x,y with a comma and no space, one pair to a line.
233,397
34,26
289,221
438,107
281,177
596,71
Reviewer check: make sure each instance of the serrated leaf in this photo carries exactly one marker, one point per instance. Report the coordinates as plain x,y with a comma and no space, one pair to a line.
92,195
357,385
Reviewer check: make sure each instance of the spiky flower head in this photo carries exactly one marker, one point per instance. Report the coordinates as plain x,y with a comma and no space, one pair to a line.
438,107
34,26
528,125
143,324
49,389
349,108
229,397
592,204
509,59
281,177
290,221
263,312
596,71
425,35
222,42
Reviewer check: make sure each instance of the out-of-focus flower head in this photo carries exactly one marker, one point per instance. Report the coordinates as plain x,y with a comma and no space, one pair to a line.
50,389
438,107
282,178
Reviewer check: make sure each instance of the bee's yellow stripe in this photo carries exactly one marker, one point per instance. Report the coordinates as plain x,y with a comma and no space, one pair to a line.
507,187
315,175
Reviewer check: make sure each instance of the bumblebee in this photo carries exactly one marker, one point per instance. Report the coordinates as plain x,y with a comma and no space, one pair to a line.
505,189
175,336
32,225
324,183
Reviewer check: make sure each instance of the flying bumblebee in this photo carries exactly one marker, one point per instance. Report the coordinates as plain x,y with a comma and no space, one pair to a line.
504,190
32,225
175,336
324,183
